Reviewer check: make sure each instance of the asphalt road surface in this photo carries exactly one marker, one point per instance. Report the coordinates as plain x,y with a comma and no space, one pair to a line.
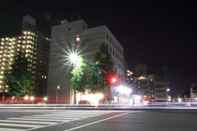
97,120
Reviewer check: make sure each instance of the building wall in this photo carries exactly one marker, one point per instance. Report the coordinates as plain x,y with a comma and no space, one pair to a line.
92,38
42,65
63,36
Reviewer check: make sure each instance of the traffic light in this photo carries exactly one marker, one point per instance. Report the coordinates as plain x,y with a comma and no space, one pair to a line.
113,80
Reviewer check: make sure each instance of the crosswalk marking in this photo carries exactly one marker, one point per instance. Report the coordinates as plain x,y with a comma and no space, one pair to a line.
57,117
19,125
40,119
28,122
43,120
9,129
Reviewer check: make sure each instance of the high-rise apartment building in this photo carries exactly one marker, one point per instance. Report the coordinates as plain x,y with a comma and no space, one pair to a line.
7,53
31,45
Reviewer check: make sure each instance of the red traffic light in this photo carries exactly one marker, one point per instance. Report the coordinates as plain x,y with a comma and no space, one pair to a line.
113,80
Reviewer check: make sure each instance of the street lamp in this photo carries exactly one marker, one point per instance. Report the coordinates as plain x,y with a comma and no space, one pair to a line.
74,58
169,99
57,88
45,99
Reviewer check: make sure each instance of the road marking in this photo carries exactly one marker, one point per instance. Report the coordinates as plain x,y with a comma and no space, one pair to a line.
8,129
76,117
95,122
52,117
20,125
28,122
37,121
40,119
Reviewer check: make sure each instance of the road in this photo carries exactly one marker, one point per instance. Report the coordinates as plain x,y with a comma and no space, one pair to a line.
97,120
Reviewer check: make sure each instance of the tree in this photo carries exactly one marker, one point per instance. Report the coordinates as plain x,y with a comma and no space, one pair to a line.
92,76
77,80
19,80
103,58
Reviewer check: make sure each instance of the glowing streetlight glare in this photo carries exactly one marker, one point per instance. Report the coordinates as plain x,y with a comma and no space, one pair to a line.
58,87
169,98
78,39
141,78
32,98
92,98
179,100
26,97
123,90
74,58
45,98
168,89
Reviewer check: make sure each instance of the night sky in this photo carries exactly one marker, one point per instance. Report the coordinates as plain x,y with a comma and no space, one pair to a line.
161,35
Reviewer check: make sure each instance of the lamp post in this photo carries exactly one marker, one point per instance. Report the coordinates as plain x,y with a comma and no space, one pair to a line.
45,99
57,89
75,60
168,96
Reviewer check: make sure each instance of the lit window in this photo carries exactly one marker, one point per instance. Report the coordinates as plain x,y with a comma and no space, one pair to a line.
24,32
